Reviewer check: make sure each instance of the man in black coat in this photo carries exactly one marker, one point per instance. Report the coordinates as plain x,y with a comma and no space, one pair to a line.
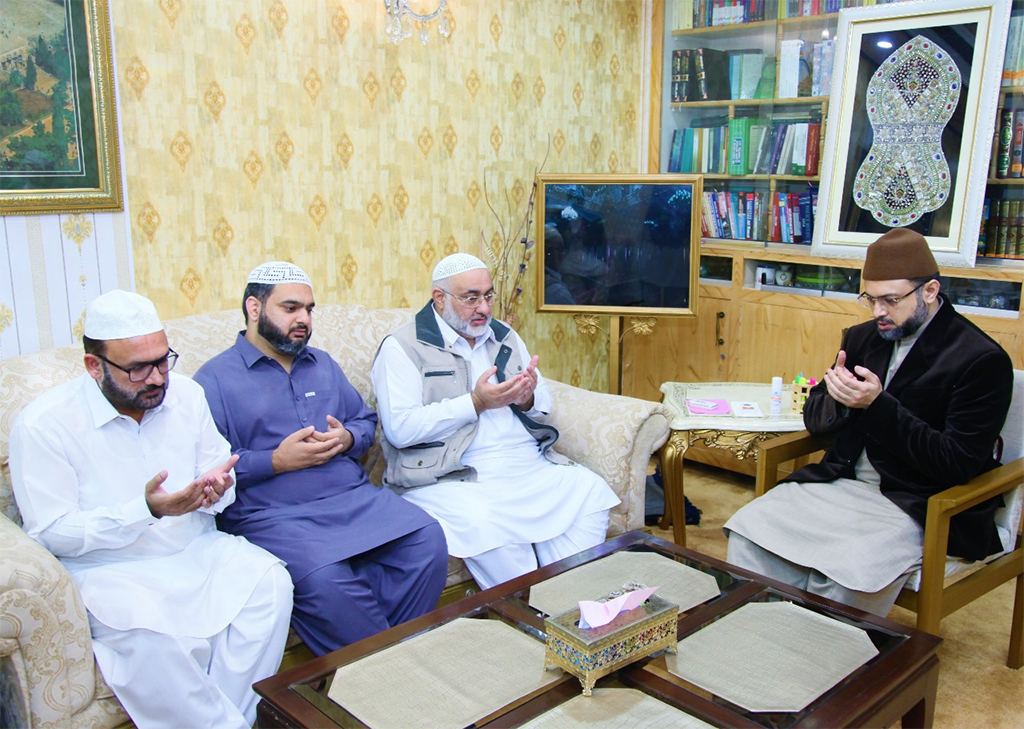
916,399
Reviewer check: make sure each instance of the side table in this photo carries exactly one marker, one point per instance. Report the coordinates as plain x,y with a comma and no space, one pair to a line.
738,435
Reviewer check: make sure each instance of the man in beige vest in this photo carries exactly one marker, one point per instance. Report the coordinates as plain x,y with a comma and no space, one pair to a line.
462,406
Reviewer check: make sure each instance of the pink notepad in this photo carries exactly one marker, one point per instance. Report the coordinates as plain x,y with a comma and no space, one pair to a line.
707,406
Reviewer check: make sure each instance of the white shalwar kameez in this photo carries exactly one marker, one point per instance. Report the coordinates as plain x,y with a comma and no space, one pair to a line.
523,510
184,618
841,539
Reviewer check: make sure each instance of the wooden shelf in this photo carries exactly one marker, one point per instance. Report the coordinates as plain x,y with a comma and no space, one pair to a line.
736,30
807,20
714,103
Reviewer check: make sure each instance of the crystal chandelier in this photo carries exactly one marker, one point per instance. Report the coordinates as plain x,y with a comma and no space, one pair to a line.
399,27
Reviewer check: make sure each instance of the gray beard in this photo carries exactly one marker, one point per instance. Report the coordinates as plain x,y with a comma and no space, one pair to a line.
462,327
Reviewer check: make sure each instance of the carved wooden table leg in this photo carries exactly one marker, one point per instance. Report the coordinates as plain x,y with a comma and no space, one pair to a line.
671,456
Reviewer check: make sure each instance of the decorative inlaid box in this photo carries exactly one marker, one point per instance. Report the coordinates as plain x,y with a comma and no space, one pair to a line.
590,653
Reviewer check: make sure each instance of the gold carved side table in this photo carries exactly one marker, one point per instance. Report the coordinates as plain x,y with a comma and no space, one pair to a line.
738,435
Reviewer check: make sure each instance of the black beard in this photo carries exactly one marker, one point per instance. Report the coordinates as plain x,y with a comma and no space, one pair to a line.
279,340
123,400
914,322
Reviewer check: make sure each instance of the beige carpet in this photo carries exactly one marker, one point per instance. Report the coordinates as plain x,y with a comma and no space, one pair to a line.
976,689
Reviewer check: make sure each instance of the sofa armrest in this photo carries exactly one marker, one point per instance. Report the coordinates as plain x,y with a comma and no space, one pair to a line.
614,436
44,630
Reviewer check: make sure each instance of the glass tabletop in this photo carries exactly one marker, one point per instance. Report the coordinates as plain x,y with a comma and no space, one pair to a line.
310,685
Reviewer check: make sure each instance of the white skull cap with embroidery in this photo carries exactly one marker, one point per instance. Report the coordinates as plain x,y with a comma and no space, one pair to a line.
121,315
455,264
278,272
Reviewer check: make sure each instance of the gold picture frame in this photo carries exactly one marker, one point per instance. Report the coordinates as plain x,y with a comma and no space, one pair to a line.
618,244
893,164
61,72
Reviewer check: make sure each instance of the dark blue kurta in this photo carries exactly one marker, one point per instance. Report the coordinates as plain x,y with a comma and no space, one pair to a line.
319,515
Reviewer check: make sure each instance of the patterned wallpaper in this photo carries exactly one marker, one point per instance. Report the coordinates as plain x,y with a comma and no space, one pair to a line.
258,129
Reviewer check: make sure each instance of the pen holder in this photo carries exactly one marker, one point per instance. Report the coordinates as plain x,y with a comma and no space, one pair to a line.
800,396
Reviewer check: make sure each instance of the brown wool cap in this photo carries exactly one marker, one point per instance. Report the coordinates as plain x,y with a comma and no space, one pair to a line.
899,254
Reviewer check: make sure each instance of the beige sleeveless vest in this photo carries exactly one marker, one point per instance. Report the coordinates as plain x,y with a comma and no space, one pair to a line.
446,375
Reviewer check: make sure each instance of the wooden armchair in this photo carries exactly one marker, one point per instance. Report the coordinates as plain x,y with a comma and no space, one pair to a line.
945,584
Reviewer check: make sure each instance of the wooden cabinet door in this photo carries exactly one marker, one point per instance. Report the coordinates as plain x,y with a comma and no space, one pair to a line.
783,341
681,349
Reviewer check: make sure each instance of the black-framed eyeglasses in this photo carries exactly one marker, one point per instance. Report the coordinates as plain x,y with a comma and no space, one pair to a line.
473,299
141,372
889,302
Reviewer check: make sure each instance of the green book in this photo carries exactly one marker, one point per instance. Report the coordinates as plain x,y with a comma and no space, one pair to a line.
766,86
1005,140
739,145
1014,244
1002,232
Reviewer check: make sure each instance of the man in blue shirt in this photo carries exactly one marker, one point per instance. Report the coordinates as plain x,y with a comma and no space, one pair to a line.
362,559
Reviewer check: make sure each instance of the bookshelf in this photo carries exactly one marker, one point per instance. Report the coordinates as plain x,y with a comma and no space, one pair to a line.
749,333
755,185
1002,233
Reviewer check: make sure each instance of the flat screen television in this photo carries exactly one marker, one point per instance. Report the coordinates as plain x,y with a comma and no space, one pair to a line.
623,245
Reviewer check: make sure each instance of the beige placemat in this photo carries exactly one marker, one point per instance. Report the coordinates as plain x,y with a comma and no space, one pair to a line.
449,677
616,709
773,656
677,583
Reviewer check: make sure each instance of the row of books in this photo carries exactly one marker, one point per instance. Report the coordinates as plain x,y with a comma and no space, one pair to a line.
781,217
786,148
747,146
699,150
707,74
804,8
683,14
1002,229
1013,61
805,69
1009,157
686,14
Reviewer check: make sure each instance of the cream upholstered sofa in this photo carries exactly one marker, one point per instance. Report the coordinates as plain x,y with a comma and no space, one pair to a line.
49,673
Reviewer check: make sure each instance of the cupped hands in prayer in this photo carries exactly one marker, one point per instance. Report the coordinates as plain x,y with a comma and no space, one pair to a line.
204,492
516,390
857,389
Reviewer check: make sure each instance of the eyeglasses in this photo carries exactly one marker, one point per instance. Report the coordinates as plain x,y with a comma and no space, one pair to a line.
889,302
141,372
473,299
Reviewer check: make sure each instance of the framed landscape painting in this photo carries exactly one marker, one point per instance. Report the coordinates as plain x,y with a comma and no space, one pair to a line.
58,127
910,125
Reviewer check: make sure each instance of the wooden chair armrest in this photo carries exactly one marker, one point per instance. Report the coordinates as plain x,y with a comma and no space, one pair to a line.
956,499
773,453
946,504
941,508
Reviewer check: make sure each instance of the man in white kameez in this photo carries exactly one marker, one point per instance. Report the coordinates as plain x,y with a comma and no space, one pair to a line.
462,406
119,475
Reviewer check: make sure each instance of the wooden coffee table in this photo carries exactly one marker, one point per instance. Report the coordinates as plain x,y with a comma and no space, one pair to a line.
898,684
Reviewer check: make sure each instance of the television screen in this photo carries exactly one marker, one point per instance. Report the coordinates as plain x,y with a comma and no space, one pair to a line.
618,244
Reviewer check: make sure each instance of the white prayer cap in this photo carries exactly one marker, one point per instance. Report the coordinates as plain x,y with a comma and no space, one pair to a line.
455,264
121,315
278,272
